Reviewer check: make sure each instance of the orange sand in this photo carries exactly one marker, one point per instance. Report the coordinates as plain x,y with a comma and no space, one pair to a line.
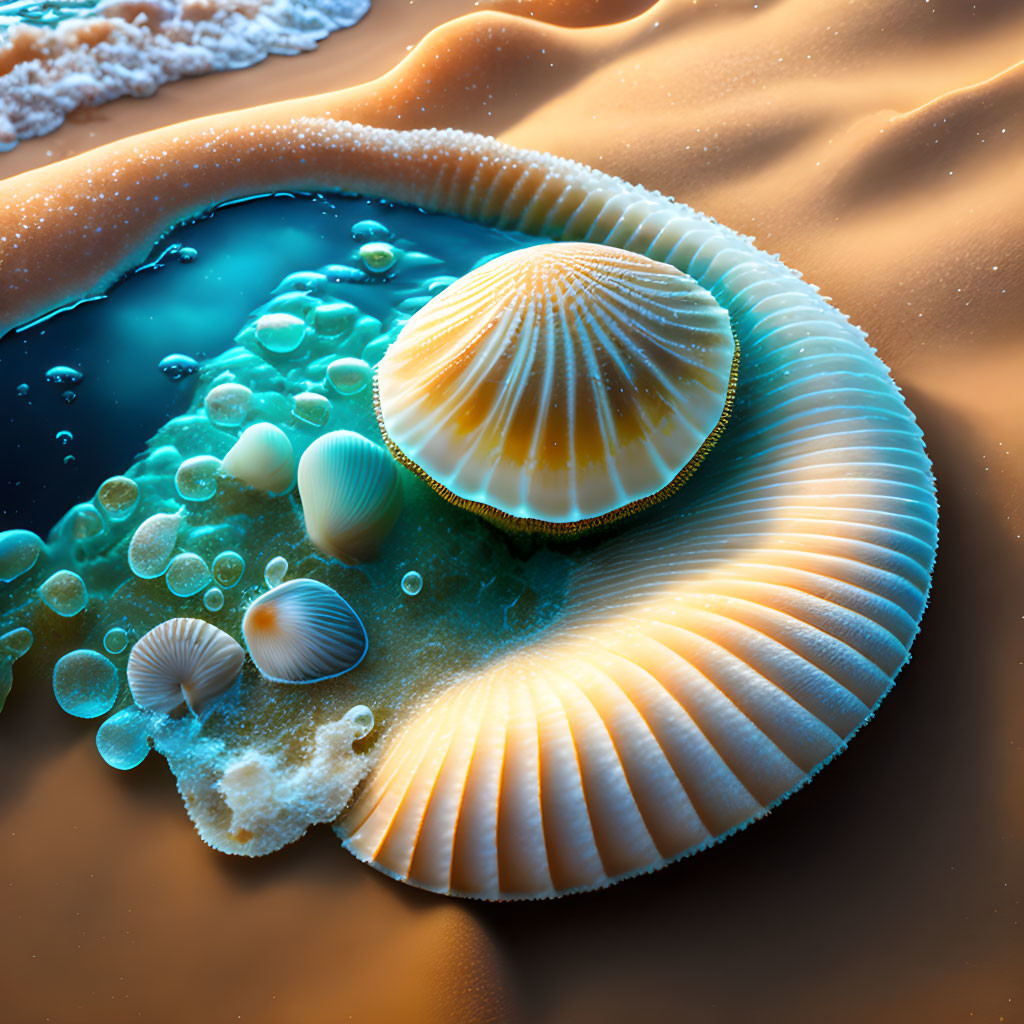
877,145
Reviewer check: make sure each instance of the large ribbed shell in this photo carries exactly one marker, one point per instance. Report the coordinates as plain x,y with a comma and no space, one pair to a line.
559,386
182,660
704,666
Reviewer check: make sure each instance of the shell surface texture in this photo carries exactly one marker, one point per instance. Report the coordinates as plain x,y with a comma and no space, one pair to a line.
182,661
694,665
560,386
351,495
303,631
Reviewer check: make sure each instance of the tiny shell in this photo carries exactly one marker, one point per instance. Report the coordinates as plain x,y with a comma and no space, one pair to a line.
182,661
303,631
351,495
262,458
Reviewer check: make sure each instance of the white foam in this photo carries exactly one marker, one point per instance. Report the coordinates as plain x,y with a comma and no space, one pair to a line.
132,48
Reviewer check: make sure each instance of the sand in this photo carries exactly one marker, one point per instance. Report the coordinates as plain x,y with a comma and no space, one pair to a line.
877,147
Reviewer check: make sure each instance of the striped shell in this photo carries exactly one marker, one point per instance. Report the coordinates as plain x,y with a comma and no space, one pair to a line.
351,495
303,631
707,660
559,386
182,661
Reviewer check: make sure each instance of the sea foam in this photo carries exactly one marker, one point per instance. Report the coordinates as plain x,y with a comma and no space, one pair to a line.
132,48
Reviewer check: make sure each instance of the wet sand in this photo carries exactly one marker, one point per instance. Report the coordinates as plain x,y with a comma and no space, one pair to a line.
877,147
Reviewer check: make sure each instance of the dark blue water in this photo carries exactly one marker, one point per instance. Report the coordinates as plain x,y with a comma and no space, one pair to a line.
193,308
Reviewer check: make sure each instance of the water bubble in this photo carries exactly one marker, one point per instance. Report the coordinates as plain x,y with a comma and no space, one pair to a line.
227,405
64,375
228,567
118,496
69,460
115,640
311,408
369,231
187,575
280,332
412,583
275,570
82,522
16,642
213,599
196,478
123,739
360,720
22,390
349,375
378,257
85,684
186,254
19,550
335,318
177,366
339,273
64,593
64,437
68,397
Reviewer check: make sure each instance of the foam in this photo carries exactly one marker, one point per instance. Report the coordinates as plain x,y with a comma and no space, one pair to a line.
132,48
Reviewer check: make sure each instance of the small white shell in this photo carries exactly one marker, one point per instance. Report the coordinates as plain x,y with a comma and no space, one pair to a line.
351,495
263,458
182,660
303,631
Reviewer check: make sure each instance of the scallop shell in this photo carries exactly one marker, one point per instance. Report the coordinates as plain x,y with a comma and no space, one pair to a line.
559,386
182,661
263,458
303,631
351,495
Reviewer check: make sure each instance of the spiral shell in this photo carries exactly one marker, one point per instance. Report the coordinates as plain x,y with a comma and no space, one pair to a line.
182,661
351,495
303,631
709,658
559,386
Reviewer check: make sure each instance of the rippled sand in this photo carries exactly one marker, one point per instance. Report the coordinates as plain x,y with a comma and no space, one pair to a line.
877,147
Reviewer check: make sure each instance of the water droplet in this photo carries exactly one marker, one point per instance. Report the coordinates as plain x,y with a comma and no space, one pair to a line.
187,575
21,390
275,571
64,593
186,254
64,375
378,257
85,684
69,460
412,583
196,478
65,436
360,720
123,739
227,405
177,367
16,642
68,396
115,640
311,408
118,497
213,599
348,376
19,550
369,231
228,567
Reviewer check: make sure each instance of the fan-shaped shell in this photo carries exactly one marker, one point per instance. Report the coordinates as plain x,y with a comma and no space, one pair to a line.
182,661
559,386
303,631
262,457
351,495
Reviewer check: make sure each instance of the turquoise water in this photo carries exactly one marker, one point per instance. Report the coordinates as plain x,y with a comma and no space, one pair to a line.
65,436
